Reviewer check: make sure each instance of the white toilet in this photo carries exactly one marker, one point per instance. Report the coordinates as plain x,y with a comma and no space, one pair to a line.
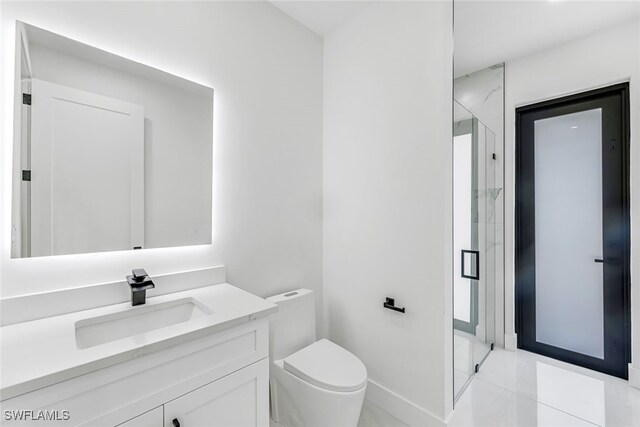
313,383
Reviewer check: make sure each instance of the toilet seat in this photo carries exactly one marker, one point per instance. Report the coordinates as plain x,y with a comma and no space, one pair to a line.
328,366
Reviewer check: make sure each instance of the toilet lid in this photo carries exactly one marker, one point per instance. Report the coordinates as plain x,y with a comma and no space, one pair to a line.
328,366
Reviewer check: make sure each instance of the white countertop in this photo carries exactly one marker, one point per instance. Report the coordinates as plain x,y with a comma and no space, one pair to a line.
43,352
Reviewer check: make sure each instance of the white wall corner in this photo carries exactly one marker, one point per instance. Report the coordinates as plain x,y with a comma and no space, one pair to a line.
510,342
401,408
634,376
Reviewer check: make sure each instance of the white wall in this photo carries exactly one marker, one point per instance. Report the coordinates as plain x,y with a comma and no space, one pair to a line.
602,59
387,205
266,71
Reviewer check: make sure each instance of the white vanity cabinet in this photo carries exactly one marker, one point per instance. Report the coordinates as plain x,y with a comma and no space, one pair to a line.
209,379
152,418
234,400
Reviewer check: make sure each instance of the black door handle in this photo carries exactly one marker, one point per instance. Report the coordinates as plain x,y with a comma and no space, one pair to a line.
175,422
599,260
474,270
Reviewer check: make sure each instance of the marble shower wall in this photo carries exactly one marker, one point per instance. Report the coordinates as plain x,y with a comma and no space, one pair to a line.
482,93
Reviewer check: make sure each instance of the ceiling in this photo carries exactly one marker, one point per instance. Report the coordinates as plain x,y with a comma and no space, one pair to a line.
488,32
321,17
491,32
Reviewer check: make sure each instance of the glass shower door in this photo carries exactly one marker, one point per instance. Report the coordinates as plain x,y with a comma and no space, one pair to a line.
486,195
476,190
465,229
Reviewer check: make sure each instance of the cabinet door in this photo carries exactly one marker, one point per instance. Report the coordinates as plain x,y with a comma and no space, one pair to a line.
153,418
240,399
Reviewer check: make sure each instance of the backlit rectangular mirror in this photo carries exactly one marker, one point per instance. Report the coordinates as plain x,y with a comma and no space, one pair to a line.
109,154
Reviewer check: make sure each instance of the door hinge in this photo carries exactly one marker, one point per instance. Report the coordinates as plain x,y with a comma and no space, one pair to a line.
493,156
26,175
26,98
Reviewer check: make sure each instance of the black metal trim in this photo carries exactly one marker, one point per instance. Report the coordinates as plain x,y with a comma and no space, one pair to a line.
390,303
477,258
571,99
617,319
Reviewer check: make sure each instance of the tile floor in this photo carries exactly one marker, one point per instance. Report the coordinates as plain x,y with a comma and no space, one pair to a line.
525,389
467,351
374,416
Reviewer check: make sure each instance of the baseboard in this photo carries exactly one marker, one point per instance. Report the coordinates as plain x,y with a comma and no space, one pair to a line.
404,410
24,308
510,342
634,376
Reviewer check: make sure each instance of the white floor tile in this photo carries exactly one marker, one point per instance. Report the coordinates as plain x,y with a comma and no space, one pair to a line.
481,405
503,368
374,416
460,379
574,393
524,412
468,351
525,389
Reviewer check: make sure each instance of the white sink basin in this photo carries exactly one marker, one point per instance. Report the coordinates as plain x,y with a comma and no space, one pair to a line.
136,320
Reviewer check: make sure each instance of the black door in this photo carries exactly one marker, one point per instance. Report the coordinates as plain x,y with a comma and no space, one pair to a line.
572,229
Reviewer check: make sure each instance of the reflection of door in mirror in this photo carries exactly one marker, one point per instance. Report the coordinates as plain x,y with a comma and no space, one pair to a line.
83,143
122,153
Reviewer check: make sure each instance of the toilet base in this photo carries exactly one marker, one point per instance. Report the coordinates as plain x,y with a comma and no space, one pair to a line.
296,403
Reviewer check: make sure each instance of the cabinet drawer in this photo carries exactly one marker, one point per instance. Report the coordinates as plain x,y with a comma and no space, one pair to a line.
118,393
240,399
153,418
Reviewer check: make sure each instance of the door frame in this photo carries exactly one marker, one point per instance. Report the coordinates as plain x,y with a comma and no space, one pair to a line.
524,254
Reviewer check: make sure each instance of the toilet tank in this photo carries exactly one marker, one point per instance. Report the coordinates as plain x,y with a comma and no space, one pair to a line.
293,327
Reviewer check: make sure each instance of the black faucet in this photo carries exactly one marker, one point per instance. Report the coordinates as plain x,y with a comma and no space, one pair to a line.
139,282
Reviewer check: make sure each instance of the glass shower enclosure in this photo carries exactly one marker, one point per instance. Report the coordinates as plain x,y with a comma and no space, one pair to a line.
477,206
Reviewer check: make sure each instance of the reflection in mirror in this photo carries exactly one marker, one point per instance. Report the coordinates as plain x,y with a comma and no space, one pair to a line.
109,154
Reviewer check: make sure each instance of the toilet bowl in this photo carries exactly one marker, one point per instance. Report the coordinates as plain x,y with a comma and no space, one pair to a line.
313,383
